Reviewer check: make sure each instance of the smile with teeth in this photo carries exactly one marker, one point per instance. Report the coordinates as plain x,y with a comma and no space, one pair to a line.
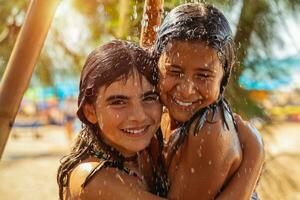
184,104
135,131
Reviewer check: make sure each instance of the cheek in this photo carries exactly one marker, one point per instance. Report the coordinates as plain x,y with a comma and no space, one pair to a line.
110,118
155,112
167,83
211,90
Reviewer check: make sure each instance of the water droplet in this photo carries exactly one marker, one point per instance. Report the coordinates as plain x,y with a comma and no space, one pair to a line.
209,162
192,170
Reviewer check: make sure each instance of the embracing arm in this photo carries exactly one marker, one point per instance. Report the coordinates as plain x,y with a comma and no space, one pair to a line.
107,184
243,182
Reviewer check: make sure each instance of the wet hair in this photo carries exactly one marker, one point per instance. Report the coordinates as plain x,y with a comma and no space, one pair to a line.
199,22
110,62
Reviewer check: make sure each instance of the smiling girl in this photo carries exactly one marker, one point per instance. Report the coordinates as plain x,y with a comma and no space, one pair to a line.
120,110
211,153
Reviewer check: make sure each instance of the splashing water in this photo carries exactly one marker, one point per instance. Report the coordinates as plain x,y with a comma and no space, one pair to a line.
192,170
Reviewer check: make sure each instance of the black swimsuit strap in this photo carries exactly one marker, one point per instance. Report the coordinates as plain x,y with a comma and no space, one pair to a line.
112,152
105,162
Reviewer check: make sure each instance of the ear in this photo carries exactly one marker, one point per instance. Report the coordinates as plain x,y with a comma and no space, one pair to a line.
90,113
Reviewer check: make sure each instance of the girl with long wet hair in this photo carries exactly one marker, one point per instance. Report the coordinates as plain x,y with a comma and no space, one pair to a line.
205,159
120,113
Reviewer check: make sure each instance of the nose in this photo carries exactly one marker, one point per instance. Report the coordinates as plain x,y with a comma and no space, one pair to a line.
137,113
187,88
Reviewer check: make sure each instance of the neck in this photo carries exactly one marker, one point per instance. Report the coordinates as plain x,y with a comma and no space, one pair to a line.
174,124
116,152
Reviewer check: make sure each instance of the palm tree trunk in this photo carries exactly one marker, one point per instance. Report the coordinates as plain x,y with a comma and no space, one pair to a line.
22,61
123,19
250,13
237,96
153,10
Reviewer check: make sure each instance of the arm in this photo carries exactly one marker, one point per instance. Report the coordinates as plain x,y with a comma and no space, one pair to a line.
107,184
243,182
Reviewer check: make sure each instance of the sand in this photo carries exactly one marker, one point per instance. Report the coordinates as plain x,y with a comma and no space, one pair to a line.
31,158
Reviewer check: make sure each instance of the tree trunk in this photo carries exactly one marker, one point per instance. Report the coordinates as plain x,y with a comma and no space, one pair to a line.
124,17
250,13
153,10
22,61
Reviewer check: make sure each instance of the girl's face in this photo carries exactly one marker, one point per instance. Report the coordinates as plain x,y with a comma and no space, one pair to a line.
128,113
190,78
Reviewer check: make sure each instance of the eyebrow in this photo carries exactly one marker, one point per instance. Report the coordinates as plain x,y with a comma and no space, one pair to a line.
114,97
198,69
174,65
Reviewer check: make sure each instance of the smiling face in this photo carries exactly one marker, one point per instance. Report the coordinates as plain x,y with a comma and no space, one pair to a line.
128,113
190,78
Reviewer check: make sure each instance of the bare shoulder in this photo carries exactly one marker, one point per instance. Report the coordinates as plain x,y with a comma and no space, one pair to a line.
212,133
107,184
102,185
219,142
247,132
78,176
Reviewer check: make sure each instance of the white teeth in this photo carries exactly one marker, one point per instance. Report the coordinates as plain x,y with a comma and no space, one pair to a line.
183,103
134,131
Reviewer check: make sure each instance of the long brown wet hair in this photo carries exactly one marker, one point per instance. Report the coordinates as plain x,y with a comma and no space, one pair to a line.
104,65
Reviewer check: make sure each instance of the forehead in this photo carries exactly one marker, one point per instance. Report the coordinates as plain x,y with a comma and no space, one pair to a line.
132,85
188,52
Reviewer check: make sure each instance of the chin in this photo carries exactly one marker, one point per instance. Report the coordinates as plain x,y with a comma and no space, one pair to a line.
139,146
181,118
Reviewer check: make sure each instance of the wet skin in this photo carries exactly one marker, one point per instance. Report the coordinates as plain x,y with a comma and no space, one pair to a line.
190,77
128,119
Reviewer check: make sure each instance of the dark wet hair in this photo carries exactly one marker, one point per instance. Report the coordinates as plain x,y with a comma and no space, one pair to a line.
199,22
108,63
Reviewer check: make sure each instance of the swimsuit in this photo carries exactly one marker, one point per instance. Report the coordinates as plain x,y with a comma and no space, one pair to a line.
109,157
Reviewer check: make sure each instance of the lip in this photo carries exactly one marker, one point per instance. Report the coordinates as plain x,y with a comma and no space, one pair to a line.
185,105
136,132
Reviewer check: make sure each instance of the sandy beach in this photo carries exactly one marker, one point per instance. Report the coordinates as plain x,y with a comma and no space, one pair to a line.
31,158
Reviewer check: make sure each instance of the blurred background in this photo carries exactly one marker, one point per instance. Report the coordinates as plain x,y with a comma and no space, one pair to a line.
265,86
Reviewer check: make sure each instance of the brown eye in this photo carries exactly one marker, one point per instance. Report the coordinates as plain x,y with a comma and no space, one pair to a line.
203,76
118,102
175,73
151,98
